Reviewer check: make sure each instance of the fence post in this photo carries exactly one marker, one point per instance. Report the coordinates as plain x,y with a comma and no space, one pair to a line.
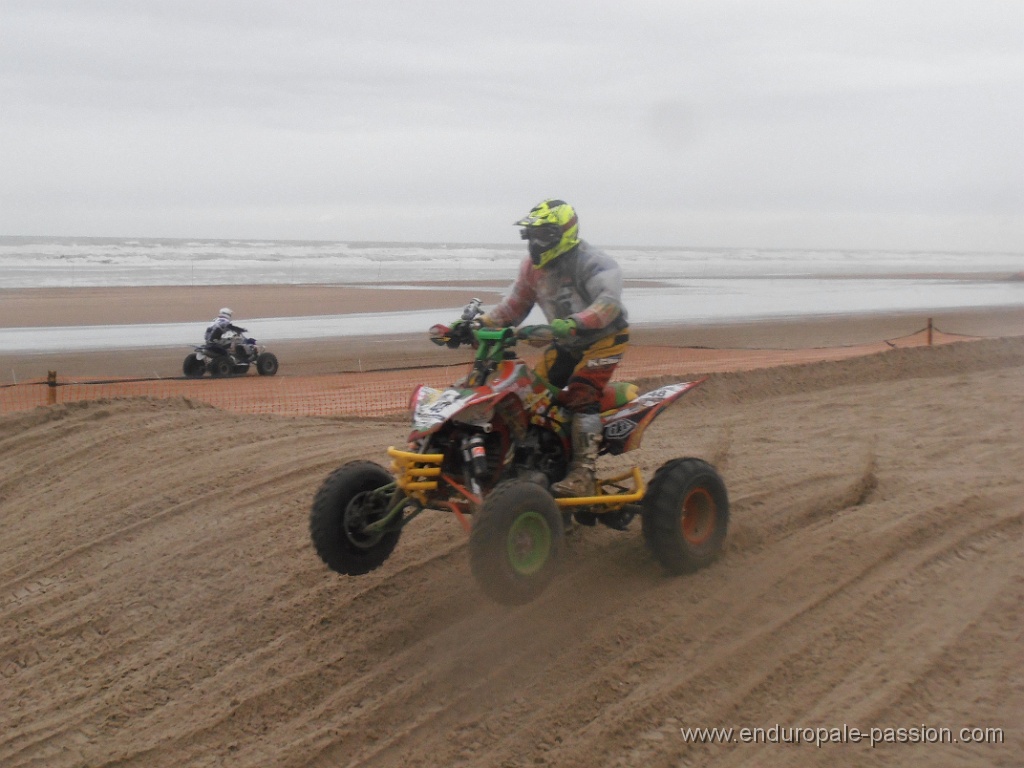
929,331
51,389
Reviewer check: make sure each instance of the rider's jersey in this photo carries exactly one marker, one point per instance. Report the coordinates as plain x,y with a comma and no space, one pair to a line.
221,326
584,284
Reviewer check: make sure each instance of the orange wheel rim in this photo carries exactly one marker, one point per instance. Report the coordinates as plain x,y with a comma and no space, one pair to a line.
699,515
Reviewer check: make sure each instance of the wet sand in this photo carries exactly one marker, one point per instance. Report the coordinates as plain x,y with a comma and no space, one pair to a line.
100,306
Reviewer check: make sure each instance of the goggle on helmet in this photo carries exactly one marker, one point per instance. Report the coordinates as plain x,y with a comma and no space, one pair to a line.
551,228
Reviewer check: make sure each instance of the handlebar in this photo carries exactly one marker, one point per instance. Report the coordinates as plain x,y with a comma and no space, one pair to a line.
463,331
461,334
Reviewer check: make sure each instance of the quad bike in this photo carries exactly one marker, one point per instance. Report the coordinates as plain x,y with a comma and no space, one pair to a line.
489,448
230,355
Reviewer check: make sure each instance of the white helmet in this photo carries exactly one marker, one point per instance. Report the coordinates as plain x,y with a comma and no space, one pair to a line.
225,313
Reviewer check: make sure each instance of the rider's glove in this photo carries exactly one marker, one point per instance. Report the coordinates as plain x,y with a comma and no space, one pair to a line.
562,328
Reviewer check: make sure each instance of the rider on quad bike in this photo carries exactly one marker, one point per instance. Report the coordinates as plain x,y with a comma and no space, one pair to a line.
226,351
221,325
579,289
511,449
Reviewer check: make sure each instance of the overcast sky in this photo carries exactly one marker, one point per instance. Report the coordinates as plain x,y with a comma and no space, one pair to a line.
733,123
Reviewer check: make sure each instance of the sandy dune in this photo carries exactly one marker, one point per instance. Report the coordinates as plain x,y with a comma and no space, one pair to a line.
161,605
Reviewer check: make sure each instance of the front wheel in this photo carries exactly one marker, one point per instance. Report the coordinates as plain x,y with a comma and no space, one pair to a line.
685,515
193,367
350,499
516,542
266,364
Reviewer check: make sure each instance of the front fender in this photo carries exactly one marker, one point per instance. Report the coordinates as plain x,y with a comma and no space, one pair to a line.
432,408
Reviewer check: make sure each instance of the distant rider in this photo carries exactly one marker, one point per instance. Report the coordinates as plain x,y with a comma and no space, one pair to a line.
579,289
221,326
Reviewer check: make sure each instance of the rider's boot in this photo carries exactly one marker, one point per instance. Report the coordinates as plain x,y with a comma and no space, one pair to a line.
586,438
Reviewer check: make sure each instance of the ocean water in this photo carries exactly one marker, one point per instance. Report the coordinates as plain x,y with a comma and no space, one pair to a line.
61,261
685,284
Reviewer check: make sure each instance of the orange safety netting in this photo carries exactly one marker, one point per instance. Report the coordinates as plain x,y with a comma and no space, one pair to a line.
385,393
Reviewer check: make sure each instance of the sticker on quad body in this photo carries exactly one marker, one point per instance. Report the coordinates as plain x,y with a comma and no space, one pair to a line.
624,428
433,407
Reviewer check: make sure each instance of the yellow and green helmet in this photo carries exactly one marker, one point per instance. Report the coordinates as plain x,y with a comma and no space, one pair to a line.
552,229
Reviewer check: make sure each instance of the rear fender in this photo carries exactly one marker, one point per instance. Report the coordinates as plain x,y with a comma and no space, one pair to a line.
624,427
212,350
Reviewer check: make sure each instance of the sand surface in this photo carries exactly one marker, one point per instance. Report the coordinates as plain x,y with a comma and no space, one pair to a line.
161,604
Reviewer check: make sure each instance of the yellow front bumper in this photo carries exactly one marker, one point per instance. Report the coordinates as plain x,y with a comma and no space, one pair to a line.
416,473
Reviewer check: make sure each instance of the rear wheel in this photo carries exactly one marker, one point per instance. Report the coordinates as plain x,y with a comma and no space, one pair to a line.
685,515
516,542
346,503
266,364
221,366
193,367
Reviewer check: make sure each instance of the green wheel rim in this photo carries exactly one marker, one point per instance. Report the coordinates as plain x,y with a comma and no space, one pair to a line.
529,543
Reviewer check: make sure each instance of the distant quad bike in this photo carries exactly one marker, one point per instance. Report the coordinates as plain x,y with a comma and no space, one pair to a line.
489,448
229,356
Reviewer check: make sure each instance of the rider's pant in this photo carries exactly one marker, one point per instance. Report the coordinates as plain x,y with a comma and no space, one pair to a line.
582,374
